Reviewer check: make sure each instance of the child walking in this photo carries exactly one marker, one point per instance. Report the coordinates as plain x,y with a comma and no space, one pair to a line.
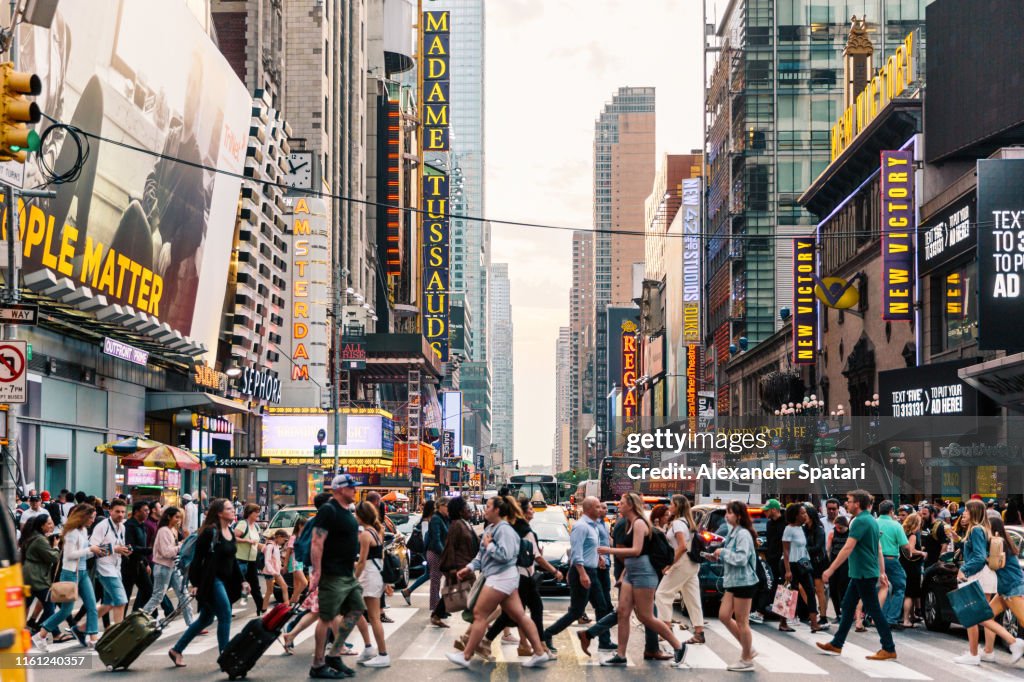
272,568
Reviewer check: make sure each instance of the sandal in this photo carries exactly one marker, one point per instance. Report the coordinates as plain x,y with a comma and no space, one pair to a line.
289,647
177,658
860,628
785,628
63,637
698,638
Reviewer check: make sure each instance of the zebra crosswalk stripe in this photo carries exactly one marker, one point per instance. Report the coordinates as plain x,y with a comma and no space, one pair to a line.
854,656
770,656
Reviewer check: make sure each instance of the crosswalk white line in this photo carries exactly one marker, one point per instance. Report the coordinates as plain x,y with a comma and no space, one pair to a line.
432,644
854,656
400,615
944,660
770,655
700,656
595,657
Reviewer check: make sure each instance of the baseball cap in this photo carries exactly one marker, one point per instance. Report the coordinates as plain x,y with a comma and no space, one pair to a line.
45,496
773,504
344,481
33,498
187,497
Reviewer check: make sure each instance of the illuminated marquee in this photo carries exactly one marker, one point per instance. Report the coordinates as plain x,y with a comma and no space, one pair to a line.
300,292
805,308
898,227
629,364
692,384
691,260
436,80
955,295
889,83
392,174
436,236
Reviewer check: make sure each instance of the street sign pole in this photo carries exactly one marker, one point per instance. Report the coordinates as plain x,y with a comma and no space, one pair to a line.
11,295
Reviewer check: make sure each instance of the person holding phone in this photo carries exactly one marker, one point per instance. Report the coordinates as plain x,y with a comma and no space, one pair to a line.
109,535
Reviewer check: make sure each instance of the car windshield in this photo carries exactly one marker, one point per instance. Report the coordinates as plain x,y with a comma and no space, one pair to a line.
550,532
718,525
286,517
409,525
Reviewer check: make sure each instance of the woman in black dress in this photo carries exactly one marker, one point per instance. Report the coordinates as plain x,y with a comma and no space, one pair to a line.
911,557
215,577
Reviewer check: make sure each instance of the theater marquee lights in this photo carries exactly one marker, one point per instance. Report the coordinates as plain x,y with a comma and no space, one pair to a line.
805,308
898,226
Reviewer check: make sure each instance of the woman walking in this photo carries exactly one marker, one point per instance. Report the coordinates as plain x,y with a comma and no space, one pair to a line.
165,552
293,565
424,527
797,562
814,531
681,576
841,578
499,550
75,551
367,571
38,559
639,581
459,550
247,541
738,555
272,567
215,576
911,559
1009,582
437,536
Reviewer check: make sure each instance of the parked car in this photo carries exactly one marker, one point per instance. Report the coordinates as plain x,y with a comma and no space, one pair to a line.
711,524
417,561
940,579
554,545
613,513
285,518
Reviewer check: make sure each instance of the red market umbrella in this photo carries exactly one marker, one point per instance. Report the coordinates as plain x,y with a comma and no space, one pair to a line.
127,446
395,496
162,457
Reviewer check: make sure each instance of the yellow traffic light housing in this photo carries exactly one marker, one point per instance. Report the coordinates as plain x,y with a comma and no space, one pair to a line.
16,112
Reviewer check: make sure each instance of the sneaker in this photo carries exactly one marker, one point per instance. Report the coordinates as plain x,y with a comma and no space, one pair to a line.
381,661
384,618
509,639
611,646
1016,650
680,654
535,661
756,618
741,666
615,660
457,659
325,672
967,659
335,664
368,653
882,655
40,643
988,656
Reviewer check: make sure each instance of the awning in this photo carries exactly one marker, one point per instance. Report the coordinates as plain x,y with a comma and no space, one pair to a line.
1001,379
201,403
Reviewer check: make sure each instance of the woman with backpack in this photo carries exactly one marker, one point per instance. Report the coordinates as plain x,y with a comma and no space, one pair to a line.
681,577
638,583
165,554
215,576
249,550
420,547
983,548
368,572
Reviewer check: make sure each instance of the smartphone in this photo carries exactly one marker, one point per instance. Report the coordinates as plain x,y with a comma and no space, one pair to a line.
709,556
107,548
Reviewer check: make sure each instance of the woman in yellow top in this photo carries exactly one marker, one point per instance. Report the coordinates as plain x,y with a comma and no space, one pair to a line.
247,538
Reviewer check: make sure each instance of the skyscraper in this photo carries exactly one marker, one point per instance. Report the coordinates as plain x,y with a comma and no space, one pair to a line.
563,398
581,347
502,381
623,174
772,98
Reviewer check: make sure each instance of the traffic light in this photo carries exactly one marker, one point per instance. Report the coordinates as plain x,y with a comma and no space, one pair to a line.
319,450
16,139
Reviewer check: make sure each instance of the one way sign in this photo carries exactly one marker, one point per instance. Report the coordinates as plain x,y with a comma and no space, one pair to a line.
19,313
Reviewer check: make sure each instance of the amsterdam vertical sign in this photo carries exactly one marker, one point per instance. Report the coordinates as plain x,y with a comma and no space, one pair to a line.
898,226
436,66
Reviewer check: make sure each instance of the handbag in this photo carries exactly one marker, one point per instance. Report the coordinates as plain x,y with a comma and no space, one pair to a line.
456,594
474,594
969,604
785,602
62,591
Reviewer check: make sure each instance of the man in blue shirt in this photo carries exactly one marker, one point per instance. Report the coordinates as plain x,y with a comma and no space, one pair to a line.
584,585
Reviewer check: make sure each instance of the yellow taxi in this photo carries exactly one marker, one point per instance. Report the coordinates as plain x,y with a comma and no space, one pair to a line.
14,637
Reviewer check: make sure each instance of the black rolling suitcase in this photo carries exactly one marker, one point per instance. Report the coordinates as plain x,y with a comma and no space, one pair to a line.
245,648
124,642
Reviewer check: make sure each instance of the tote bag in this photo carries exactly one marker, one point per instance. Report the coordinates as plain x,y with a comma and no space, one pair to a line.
785,602
969,604
474,594
456,594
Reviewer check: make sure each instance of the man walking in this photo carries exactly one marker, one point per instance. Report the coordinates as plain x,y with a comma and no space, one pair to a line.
135,571
866,571
893,540
109,534
191,514
584,586
774,528
333,552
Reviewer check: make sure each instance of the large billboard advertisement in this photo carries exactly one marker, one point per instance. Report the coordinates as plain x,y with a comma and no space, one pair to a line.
141,230
899,222
805,306
292,436
1000,253
452,407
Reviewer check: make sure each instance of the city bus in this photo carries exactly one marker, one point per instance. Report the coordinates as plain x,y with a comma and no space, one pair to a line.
536,487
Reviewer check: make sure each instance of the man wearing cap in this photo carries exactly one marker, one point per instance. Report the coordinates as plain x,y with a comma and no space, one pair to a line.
191,514
35,508
774,529
333,551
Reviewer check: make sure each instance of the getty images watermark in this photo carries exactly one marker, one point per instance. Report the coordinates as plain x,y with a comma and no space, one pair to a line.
665,440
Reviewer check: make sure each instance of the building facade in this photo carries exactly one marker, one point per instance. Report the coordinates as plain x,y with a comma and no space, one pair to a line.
503,375
581,350
560,460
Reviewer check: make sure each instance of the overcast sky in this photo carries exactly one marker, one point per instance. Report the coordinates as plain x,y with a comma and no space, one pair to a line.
551,66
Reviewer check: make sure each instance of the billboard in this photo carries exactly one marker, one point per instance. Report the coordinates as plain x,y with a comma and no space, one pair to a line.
452,419
436,80
691,260
292,436
436,255
947,235
899,222
805,307
1000,253
141,231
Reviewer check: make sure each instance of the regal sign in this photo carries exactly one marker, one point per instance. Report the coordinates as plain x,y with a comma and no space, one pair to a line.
805,308
436,80
629,365
898,226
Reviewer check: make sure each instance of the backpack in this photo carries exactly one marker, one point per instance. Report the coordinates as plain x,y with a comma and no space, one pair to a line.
391,570
415,542
300,550
660,551
187,552
697,545
996,553
525,558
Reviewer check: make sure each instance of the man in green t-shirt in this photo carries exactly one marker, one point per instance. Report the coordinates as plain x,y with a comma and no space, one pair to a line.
892,540
867,573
